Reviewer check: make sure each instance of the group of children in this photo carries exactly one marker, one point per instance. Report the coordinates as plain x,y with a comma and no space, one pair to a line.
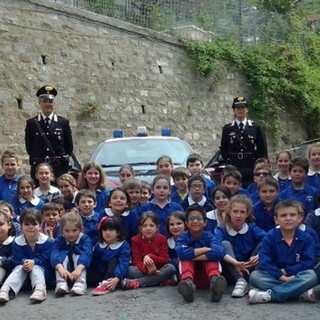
183,230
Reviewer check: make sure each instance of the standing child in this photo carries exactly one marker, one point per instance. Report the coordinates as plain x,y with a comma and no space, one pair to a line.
283,176
133,188
165,166
126,172
232,179
68,187
60,204
111,256
286,261
150,258
71,256
160,204
180,178
93,178
241,240
25,198
313,177
31,254
51,220
145,192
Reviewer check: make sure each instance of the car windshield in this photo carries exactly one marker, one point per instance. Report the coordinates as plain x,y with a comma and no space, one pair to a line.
144,151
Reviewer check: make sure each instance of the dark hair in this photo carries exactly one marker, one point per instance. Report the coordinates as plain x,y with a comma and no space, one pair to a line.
196,177
8,154
49,206
84,193
299,162
131,183
25,178
121,190
287,203
12,230
235,174
32,216
8,205
225,190
164,157
149,215
180,172
193,158
145,185
268,181
128,167
180,215
160,177
111,223
198,208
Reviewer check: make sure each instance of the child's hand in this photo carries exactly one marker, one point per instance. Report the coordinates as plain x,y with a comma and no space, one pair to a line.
28,265
49,232
64,273
148,262
112,283
253,261
241,267
285,278
75,274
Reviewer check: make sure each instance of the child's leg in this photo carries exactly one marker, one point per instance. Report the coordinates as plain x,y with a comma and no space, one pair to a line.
2,274
231,269
111,267
16,279
38,282
186,269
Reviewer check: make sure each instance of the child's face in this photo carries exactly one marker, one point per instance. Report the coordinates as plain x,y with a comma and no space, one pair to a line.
125,174
197,190
110,235
195,222
92,176
118,202
61,209
148,229
164,167
314,157
287,218
145,195
44,175
161,190
260,174
4,228
195,167
7,211
71,232
176,227
238,215
268,194
51,217
220,200
233,184
298,175
86,205
181,183
66,188
26,190
10,167
135,195
283,162
30,231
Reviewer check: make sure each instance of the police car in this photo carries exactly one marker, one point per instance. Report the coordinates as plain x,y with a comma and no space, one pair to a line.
141,152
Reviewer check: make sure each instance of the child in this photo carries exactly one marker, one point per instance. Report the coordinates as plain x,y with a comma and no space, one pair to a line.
286,261
71,256
150,258
8,209
7,234
160,204
197,188
93,178
118,206
199,256
126,172
85,202
133,188
180,178
25,198
9,180
195,166
145,192
268,189
165,166
220,198
313,177
44,175
299,189
111,256
51,220
232,179
31,254
68,187
241,239
283,176
60,204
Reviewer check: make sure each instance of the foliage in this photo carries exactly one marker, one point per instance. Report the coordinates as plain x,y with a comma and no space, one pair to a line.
280,6
90,107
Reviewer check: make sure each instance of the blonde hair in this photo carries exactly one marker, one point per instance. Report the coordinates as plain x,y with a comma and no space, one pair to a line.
71,218
314,145
243,199
69,178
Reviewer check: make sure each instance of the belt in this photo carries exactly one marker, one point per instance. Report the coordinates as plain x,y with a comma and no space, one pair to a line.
241,155
47,158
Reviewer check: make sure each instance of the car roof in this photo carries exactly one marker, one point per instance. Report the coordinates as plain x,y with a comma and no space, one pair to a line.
142,138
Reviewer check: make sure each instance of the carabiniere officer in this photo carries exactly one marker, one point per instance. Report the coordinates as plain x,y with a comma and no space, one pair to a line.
243,141
48,136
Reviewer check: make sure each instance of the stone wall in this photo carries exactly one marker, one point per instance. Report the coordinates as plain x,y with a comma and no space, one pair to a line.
134,76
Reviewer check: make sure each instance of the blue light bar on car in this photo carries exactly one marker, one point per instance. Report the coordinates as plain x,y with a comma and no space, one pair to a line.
166,132
118,134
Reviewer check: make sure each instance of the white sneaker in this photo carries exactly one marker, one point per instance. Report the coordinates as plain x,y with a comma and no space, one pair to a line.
241,288
39,294
257,296
79,288
4,294
61,288
308,296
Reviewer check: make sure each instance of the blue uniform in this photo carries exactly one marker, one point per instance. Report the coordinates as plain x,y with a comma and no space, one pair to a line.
175,197
212,221
243,241
283,183
90,225
243,191
54,191
210,186
8,188
313,220
252,188
56,231
20,204
264,218
313,179
102,196
315,237
255,198
205,203
6,254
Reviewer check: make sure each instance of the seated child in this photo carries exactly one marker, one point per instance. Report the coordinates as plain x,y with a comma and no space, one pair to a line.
286,260
71,256
51,220
232,179
133,188
68,187
8,209
180,178
165,166
31,255
145,192
111,256
283,176
150,258
313,177
263,210
60,204
126,172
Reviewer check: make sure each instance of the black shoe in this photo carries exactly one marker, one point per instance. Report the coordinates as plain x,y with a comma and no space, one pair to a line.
187,289
218,285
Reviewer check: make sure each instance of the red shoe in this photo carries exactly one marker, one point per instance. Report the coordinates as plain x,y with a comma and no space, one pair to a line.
102,288
130,283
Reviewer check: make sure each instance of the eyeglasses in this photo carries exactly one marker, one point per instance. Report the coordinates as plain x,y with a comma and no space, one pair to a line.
196,186
263,174
195,218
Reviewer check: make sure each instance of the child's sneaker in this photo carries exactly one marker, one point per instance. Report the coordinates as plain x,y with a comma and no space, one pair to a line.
187,289
61,288
39,293
102,288
79,288
218,286
4,294
241,288
130,283
308,296
257,296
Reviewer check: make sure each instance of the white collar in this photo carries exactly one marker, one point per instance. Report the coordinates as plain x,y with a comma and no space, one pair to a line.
277,177
52,190
200,203
21,240
244,121
112,246
303,227
212,215
317,212
171,242
109,213
52,116
233,232
35,201
77,241
312,173
8,241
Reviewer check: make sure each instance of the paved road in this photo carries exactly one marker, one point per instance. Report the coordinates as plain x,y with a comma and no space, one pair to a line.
153,303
